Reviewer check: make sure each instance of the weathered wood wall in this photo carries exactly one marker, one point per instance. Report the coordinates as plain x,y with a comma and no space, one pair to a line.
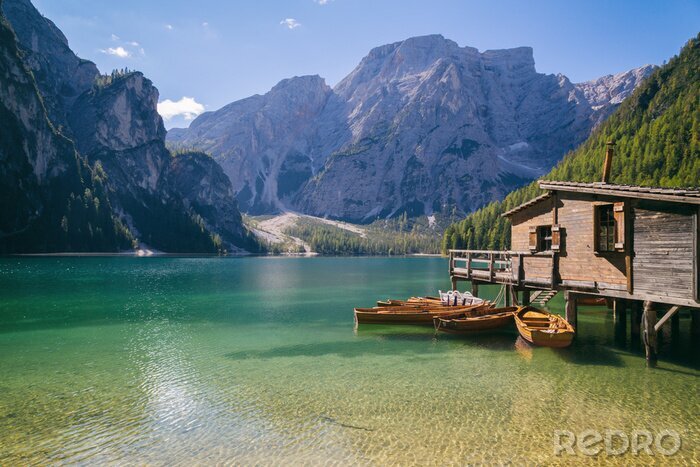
664,244
578,260
539,214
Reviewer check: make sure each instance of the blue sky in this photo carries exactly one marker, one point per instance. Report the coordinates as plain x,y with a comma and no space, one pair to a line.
214,52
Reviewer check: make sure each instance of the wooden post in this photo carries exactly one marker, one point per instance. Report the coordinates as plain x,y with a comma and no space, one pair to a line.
469,266
649,332
571,309
526,298
491,267
507,297
521,270
475,289
454,282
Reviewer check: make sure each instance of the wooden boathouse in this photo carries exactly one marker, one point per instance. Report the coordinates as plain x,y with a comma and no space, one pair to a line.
637,246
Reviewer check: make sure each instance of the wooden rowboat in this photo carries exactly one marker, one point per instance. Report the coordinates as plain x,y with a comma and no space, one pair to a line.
462,323
411,314
542,328
420,301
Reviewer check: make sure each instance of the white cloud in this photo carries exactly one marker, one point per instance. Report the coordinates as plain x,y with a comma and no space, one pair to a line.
115,37
169,27
120,52
205,24
133,43
322,2
186,107
290,23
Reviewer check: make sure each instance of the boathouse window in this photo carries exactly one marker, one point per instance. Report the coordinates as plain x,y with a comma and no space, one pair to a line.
541,238
609,227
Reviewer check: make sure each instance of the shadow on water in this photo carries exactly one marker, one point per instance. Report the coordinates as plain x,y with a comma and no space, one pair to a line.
582,354
498,339
349,349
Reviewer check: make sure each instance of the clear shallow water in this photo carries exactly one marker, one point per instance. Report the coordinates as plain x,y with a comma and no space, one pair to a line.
255,361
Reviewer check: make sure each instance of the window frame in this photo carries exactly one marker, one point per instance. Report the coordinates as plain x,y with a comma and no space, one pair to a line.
543,238
544,242
614,232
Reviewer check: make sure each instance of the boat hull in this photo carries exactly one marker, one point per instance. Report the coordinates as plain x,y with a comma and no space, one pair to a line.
495,319
411,315
541,328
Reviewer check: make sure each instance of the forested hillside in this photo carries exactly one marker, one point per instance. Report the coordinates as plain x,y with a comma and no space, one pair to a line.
657,136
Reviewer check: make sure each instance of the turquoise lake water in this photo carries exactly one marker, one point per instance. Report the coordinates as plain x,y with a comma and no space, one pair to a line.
183,361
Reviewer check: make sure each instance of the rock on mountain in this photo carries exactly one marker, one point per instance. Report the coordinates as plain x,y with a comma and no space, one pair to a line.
264,142
419,126
51,199
606,93
113,122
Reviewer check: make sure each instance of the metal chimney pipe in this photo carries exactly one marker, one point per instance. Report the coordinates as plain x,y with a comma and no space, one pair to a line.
609,152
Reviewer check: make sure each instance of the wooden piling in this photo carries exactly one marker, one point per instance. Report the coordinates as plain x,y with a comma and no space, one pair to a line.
649,332
571,309
475,289
526,298
454,282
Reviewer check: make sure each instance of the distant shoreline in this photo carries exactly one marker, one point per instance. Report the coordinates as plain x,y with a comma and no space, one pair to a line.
202,255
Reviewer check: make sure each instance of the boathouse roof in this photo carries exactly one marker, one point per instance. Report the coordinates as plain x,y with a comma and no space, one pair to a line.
675,195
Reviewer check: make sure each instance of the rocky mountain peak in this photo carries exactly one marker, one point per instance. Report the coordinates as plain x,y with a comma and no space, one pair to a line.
60,75
614,88
419,125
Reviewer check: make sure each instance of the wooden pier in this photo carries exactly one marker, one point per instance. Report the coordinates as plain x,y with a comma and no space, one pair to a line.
636,246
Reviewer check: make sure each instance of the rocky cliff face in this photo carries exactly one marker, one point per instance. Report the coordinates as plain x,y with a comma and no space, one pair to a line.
605,94
51,200
113,121
418,126
263,142
211,197
60,75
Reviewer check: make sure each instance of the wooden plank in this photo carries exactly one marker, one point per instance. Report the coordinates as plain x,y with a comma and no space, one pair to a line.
579,284
671,312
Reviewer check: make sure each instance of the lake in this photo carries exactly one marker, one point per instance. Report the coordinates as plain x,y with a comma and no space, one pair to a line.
257,361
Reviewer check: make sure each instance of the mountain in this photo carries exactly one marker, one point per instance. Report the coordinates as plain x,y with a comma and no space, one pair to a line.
52,199
264,142
418,127
657,135
112,122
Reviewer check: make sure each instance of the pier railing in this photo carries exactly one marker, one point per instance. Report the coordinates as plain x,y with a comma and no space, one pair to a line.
504,267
